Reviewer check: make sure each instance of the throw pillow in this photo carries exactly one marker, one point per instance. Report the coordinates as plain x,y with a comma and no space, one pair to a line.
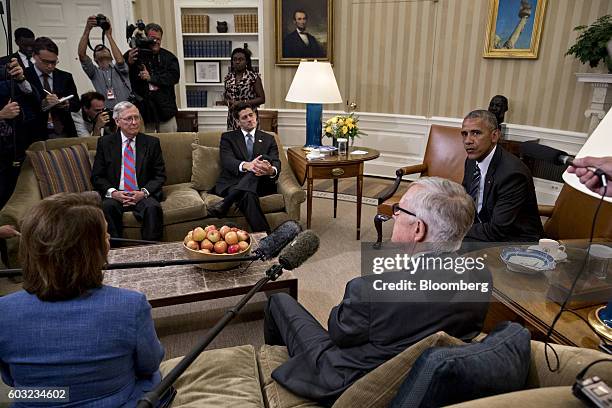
206,167
62,170
449,375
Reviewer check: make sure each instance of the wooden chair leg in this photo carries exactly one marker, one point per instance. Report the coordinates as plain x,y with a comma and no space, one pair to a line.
378,220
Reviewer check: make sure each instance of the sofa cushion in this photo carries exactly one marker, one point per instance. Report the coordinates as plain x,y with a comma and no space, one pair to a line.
181,203
218,378
448,375
374,390
206,167
550,397
62,170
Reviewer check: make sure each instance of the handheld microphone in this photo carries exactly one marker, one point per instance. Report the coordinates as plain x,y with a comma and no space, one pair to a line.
302,248
546,153
270,246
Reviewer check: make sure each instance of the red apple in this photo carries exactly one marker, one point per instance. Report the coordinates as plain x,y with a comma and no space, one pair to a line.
213,236
243,245
234,229
192,245
224,230
233,249
198,234
206,244
210,227
188,237
231,238
242,235
221,247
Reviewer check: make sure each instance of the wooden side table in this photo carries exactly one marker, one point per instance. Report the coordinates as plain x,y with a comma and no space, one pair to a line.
330,167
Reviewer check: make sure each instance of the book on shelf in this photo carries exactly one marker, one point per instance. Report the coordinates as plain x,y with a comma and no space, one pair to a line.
194,23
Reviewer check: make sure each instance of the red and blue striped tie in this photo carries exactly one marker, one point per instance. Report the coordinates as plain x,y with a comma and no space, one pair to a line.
129,168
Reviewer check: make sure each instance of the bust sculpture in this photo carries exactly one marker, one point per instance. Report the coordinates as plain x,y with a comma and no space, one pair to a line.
499,106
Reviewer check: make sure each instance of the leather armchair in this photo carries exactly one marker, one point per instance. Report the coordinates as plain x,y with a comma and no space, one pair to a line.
444,157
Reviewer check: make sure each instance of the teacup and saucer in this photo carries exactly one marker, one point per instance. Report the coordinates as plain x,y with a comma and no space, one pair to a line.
552,248
314,154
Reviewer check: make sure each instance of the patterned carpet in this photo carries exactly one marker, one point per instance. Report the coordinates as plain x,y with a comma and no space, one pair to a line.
347,189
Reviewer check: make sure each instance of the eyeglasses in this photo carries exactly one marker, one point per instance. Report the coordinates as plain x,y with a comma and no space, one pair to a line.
396,210
131,119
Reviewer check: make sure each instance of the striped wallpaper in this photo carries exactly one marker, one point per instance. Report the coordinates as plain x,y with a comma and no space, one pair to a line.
424,57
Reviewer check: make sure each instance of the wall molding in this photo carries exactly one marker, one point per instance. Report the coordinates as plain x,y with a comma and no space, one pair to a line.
401,139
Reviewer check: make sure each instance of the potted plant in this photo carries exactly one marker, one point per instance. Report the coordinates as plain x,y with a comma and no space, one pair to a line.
591,44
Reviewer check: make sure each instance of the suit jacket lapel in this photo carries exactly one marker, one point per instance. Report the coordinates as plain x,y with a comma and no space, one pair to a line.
491,174
116,151
141,152
257,143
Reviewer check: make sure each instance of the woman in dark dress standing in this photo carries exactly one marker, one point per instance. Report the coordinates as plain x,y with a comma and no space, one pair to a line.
242,84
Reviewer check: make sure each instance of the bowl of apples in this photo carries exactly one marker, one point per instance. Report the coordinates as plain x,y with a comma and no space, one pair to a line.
215,243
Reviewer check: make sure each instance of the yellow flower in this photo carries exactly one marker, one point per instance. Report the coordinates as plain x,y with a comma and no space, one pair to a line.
350,125
334,119
328,129
341,122
349,121
344,130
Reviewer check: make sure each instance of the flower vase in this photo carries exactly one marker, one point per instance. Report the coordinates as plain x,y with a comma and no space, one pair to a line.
335,142
352,141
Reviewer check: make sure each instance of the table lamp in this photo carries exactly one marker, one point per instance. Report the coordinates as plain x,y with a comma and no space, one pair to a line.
314,83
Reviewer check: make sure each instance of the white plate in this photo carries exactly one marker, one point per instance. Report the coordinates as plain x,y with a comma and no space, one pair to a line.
558,257
527,260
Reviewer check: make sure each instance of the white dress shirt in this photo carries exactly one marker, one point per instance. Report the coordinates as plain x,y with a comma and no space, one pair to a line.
39,74
304,37
24,59
124,141
484,167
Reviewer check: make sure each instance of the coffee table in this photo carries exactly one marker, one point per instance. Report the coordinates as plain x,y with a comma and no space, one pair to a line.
330,167
526,299
172,285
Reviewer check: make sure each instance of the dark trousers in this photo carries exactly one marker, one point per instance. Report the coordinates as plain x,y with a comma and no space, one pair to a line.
8,179
148,211
246,195
287,323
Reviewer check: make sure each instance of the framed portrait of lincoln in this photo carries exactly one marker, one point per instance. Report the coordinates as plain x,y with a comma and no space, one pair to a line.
304,30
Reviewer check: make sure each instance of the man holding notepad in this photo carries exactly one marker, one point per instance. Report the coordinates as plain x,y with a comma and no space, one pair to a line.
58,91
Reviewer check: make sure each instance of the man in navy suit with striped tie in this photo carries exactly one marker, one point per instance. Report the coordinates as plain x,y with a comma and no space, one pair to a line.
129,173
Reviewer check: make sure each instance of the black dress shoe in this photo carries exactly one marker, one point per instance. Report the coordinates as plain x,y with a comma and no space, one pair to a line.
216,210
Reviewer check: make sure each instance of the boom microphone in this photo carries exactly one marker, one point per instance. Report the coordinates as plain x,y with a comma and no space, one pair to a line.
302,248
270,246
546,153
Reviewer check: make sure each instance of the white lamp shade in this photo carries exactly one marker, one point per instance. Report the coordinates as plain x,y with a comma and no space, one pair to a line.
314,82
599,144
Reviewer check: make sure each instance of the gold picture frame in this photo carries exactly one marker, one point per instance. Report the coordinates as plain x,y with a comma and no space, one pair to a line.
514,28
290,49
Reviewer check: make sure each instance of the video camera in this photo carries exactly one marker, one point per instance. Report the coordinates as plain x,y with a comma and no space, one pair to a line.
111,125
137,38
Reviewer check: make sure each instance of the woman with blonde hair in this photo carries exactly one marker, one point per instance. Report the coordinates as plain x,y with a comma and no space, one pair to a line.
67,329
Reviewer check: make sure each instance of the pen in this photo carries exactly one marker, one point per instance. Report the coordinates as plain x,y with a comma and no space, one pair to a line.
48,93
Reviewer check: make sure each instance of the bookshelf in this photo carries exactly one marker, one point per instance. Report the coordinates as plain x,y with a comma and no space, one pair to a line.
194,43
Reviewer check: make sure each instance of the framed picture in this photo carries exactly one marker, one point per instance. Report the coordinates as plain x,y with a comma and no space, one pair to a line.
208,72
304,30
514,28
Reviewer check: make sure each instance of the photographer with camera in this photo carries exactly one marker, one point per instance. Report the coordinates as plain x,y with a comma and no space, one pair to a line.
153,73
110,80
93,119
18,103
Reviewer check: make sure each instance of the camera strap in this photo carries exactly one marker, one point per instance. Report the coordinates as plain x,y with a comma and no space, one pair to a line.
122,79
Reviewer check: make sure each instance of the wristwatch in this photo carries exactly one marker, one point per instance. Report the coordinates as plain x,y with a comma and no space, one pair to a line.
146,193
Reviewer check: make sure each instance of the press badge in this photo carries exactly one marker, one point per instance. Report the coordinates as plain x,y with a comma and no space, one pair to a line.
110,94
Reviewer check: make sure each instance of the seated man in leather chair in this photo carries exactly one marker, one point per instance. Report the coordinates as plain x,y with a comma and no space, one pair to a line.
499,183
371,326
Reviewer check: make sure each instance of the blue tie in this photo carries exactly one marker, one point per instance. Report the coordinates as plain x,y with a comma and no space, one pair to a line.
249,145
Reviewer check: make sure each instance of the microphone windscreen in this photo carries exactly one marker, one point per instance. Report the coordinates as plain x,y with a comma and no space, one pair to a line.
541,152
271,245
298,251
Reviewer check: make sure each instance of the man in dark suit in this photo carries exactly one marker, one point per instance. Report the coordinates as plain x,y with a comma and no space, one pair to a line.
499,183
129,173
24,38
250,168
54,118
300,43
373,324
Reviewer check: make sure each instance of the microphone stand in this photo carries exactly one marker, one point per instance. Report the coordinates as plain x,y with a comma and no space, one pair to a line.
150,399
